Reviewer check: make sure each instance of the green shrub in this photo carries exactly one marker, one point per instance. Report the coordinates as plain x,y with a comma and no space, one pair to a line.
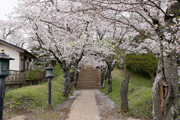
142,63
31,75
57,70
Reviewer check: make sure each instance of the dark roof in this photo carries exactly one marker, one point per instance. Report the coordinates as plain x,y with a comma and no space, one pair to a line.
18,49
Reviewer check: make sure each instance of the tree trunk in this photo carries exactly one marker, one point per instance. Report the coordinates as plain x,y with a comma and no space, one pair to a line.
124,93
109,81
152,79
75,75
103,71
105,78
68,85
110,66
165,90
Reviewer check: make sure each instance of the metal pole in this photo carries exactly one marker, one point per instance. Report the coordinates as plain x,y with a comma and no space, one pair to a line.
49,91
2,92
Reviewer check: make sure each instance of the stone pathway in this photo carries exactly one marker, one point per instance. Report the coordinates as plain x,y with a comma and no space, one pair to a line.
19,118
84,107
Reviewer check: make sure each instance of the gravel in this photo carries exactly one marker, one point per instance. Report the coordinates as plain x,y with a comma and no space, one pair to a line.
106,108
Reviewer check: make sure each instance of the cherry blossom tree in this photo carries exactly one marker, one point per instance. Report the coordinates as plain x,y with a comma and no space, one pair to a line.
158,25
64,29
112,31
55,28
11,31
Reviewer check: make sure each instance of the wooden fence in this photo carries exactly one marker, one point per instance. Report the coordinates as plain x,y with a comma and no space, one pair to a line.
18,79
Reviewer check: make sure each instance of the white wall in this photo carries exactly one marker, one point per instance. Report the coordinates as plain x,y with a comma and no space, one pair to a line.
14,64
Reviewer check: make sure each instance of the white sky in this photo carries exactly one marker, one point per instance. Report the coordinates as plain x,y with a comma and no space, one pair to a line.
6,7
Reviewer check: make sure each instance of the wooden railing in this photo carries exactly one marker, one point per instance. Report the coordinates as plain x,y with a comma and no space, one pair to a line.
17,76
19,79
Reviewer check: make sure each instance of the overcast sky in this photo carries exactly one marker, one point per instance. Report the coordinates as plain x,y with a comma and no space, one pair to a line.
6,7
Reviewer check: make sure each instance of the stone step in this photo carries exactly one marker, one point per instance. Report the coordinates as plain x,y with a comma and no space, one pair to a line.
92,73
84,77
96,80
91,76
89,79
89,87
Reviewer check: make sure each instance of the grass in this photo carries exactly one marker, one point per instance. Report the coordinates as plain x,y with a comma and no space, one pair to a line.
35,98
139,94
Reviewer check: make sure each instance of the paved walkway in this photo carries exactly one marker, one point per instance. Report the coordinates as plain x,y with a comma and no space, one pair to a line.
84,107
19,118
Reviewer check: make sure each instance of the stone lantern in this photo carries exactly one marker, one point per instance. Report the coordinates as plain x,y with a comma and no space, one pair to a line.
4,64
49,72
49,75
4,72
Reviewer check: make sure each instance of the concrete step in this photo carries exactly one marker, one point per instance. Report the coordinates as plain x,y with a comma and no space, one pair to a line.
91,83
95,80
89,79
89,75
81,85
84,77
89,87
86,73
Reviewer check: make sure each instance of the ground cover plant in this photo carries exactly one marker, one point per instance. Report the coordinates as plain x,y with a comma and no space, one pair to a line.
139,94
35,98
